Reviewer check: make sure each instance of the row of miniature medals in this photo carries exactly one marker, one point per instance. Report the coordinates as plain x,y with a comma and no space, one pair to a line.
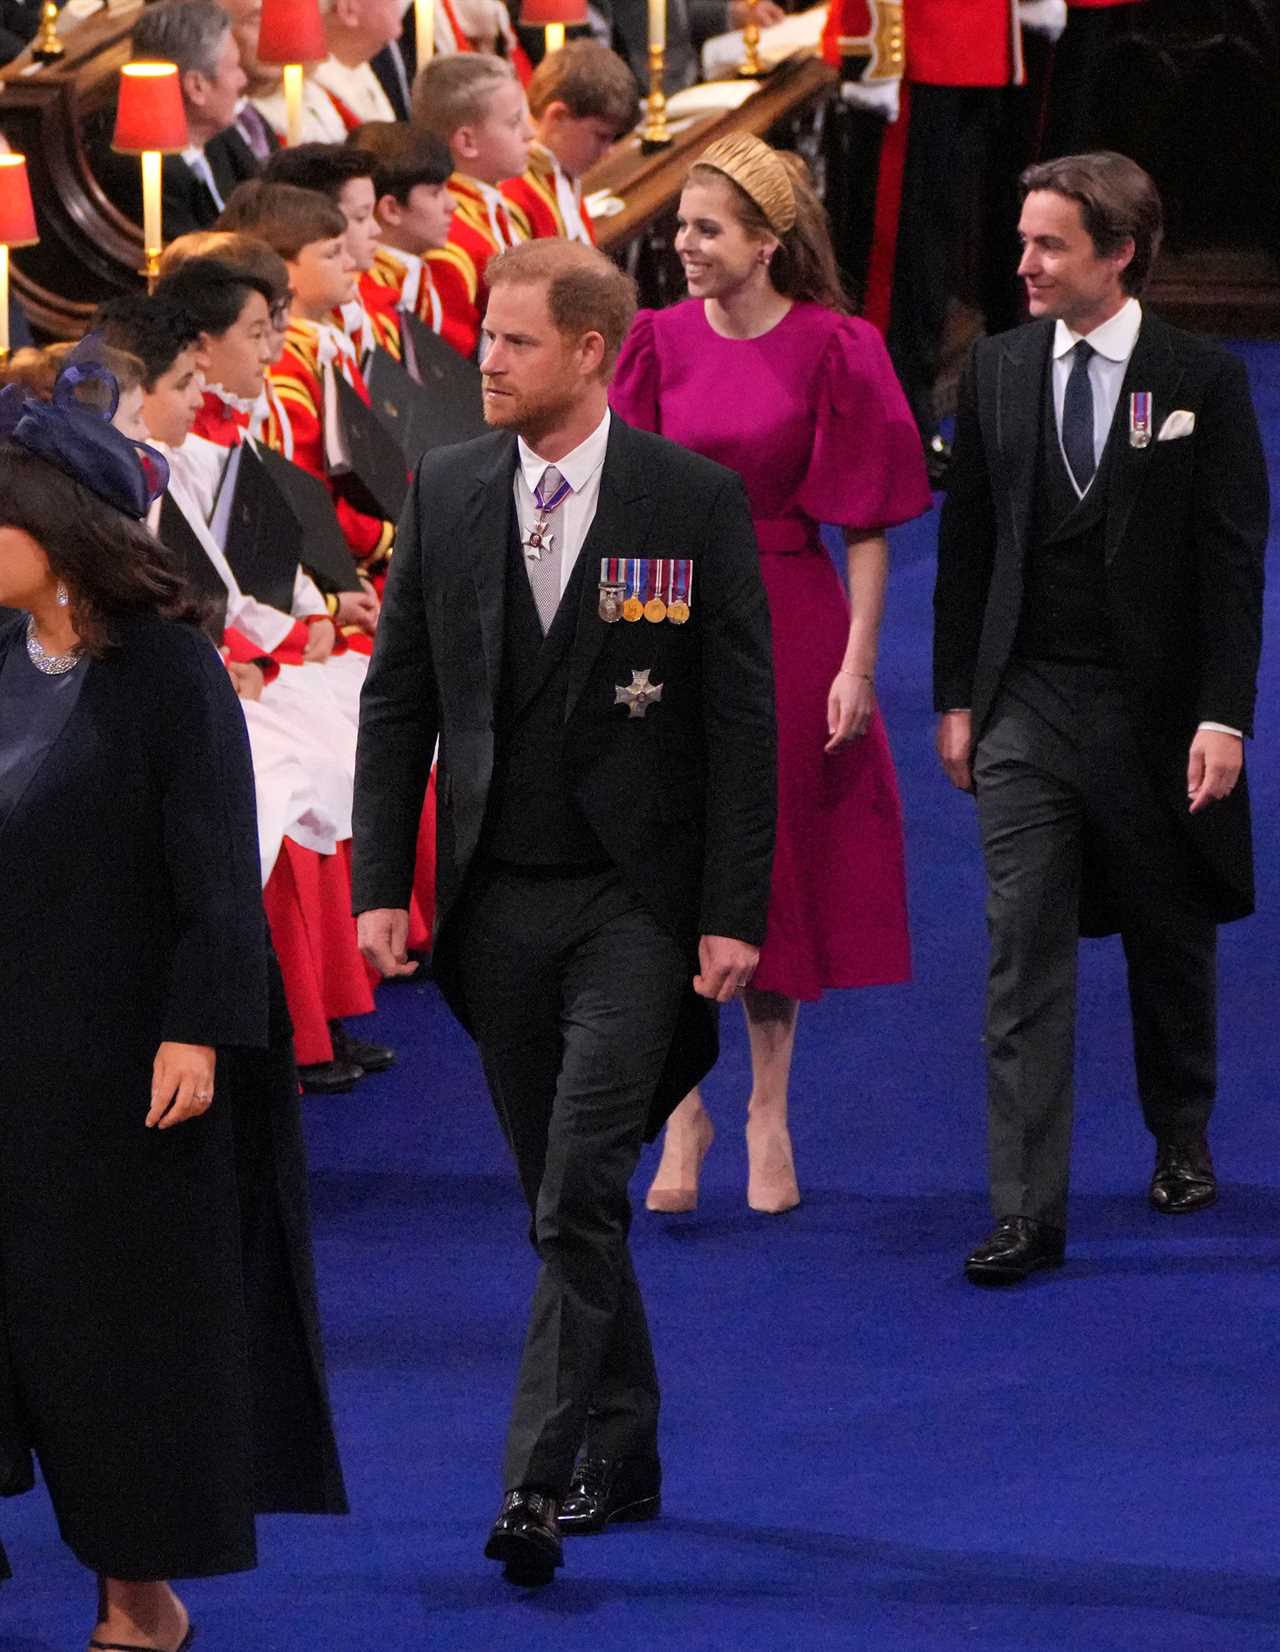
640,587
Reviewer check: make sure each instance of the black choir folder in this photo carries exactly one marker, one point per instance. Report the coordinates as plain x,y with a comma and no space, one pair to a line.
322,547
442,405
367,463
204,581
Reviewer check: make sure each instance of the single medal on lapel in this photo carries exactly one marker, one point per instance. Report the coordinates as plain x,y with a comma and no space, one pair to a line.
1140,418
612,589
655,610
681,590
633,607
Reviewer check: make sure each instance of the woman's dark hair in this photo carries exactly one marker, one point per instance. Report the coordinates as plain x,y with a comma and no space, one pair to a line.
325,168
110,564
156,329
1118,203
214,294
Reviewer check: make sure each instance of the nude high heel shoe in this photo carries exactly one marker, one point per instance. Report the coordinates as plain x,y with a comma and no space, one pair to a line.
771,1180
674,1189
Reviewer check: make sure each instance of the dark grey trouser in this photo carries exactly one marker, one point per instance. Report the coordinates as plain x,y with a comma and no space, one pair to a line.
574,991
1058,767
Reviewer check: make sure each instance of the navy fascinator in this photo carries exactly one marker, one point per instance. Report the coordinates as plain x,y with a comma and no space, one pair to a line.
81,440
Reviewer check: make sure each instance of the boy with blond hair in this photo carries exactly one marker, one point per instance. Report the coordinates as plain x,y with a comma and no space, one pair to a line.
582,99
475,105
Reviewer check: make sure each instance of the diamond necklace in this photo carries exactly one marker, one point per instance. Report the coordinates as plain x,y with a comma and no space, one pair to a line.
53,665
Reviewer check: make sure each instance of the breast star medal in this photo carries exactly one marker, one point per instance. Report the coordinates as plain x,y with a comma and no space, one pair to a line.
637,695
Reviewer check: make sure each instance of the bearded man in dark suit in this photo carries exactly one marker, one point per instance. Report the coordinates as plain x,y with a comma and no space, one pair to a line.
1098,627
575,611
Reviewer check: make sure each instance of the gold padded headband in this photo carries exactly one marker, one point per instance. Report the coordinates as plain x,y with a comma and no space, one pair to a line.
759,173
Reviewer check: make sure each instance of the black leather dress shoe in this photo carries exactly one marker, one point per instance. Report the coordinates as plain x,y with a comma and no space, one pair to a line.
526,1538
330,1078
1018,1247
1184,1178
358,1052
609,1490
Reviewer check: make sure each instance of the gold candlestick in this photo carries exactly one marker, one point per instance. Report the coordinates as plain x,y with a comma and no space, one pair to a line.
655,134
47,48
751,66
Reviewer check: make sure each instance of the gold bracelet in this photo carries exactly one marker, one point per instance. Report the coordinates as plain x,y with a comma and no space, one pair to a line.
864,675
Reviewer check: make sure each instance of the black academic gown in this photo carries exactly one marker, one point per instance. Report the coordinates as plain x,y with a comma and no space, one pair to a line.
159,1315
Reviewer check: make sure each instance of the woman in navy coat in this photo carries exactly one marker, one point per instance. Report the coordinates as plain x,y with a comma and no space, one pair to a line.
157,1314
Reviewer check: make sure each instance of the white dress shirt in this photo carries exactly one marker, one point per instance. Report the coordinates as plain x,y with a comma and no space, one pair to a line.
571,521
198,161
1113,344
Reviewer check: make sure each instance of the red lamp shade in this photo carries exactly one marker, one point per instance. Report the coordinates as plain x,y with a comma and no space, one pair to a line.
17,216
538,13
150,114
291,32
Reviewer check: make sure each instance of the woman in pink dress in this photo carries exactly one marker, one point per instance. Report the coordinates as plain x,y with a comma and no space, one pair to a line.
764,369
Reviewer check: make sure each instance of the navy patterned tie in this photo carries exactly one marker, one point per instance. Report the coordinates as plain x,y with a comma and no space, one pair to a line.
1077,418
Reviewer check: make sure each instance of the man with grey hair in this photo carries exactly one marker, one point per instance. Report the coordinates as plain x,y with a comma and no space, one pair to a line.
196,35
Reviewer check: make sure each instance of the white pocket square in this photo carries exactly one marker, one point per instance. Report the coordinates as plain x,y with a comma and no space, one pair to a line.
1177,424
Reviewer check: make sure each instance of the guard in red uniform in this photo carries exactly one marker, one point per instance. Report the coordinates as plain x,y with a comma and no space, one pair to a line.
948,77
476,106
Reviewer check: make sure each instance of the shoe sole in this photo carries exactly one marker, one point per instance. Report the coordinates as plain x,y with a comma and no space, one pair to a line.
993,1274
644,1508
1168,1209
526,1562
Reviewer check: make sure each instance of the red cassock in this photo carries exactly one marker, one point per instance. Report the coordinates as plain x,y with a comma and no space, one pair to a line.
481,228
297,379
535,204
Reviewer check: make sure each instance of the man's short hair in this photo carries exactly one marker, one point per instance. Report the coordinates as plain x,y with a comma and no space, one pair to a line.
591,81
1118,202
240,252
285,217
212,292
186,32
156,329
454,91
402,158
586,292
326,168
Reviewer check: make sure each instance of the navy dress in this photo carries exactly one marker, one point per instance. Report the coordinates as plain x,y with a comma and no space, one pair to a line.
159,1342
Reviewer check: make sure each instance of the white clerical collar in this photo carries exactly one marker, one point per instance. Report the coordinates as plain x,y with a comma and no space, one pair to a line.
1115,339
577,467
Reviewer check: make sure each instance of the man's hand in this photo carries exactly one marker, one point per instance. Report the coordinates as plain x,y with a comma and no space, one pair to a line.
321,637
1214,767
383,934
359,608
725,966
767,14
955,748
181,1084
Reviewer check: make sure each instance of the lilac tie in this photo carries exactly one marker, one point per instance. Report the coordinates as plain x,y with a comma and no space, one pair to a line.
544,570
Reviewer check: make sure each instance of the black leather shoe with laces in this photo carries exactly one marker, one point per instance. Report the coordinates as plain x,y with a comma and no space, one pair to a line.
1184,1177
1017,1248
609,1490
526,1538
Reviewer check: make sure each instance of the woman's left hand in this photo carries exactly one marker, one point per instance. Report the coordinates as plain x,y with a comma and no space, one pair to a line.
850,704
181,1084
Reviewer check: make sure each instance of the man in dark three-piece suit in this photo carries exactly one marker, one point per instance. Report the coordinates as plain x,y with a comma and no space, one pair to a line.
1098,626
575,611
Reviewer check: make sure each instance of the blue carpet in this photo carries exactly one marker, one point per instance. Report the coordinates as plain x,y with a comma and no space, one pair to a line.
861,1450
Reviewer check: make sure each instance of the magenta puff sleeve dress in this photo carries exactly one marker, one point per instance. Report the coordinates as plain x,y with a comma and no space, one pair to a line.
812,418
